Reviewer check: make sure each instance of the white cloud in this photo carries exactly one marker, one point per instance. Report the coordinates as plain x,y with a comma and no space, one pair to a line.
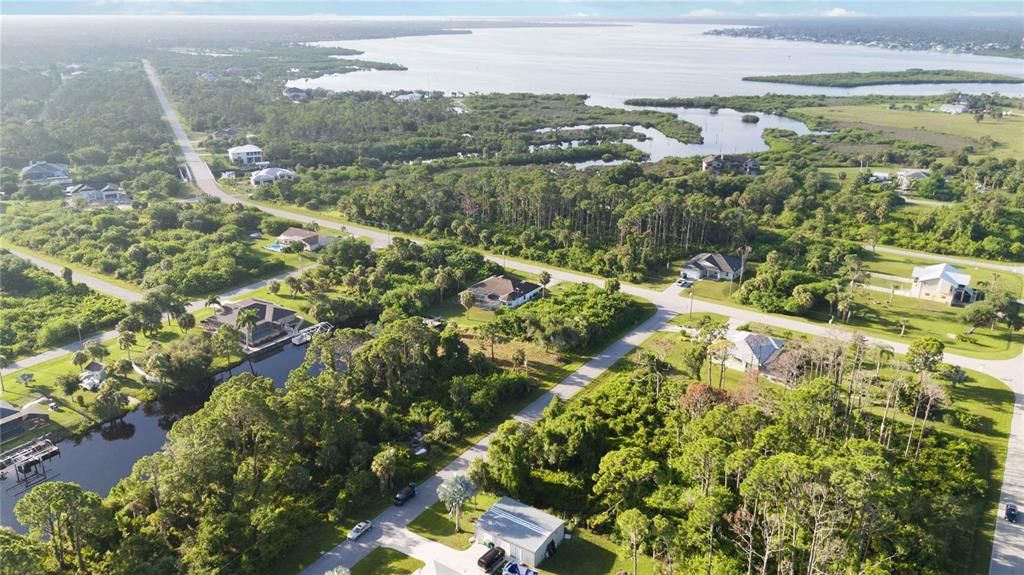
839,13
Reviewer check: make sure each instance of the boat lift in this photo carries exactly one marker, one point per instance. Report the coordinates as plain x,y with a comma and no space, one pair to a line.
29,460
306,335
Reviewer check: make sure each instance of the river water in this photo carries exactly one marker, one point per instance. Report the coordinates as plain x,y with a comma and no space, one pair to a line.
100,458
611,64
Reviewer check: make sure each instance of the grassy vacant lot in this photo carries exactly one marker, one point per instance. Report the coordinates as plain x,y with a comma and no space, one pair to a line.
878,318
590,554
903,266
945,130
436,524
384,561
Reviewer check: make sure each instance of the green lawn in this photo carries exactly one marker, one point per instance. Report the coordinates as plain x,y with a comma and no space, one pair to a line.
877,318
590,554
384,561
1005,132
436,524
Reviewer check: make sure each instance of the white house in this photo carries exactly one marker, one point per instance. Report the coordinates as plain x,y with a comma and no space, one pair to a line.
527,534
247,155
311,241
953,108
906,179
753,351
713,266
942,283
108,195
92,376
503,291
268,176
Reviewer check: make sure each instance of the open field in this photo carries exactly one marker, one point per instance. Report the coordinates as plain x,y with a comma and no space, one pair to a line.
588,553
384,561
438,525
878,318
948,131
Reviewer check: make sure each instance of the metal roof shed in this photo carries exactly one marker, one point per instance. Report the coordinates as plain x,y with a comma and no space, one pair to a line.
527,534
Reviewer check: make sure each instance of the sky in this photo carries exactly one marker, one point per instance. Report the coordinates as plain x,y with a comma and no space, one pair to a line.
524,8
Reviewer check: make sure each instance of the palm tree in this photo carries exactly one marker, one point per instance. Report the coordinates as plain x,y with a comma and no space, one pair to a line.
442,279
744,253
246,322
80,358
125,341
213,301
454,492
384,465
186,321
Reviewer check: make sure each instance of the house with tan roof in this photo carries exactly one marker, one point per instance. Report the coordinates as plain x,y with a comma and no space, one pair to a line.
503,291
310,240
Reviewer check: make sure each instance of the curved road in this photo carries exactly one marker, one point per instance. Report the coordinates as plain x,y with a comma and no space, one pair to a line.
1007,551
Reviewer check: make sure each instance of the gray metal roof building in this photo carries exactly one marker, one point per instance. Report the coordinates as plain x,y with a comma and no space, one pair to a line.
527,534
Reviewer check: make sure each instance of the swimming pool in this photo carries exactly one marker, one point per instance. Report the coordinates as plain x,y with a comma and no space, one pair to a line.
275,247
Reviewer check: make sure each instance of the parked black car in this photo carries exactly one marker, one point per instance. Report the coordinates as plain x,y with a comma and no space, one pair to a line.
407,493
492,558
1011,513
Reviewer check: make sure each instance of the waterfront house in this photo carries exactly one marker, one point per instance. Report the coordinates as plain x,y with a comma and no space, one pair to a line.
721,164
273,322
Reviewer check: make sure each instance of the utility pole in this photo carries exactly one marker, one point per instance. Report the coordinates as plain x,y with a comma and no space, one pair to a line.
80,343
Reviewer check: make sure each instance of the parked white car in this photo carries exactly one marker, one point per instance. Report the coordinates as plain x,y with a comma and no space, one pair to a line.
359,529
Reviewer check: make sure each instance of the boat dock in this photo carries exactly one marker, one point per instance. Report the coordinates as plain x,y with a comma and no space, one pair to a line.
27,458
306,335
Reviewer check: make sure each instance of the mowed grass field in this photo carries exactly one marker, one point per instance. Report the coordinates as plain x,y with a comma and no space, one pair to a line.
1005,132
903,266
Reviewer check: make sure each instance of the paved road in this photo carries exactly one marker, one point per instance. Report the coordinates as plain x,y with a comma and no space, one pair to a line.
390,525
1013,268
94,282
1008,551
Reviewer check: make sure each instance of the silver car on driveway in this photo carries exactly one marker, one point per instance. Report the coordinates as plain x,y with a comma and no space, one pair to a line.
359,529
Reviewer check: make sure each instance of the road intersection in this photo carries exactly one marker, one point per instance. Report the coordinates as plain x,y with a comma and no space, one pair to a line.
1008,547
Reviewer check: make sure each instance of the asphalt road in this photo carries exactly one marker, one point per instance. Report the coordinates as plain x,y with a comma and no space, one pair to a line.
1008,550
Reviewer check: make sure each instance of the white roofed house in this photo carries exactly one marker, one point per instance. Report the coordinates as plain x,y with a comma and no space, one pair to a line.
754,351
527,534
247,155
942,283
268,176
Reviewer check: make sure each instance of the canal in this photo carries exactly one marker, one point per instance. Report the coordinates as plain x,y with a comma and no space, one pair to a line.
99,459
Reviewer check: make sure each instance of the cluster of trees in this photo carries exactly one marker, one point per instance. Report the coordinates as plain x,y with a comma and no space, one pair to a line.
356,285
810,479
39,310
573,318
104,122
240,480
195,247
910,76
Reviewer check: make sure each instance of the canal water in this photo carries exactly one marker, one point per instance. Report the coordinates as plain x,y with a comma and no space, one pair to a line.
100,458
